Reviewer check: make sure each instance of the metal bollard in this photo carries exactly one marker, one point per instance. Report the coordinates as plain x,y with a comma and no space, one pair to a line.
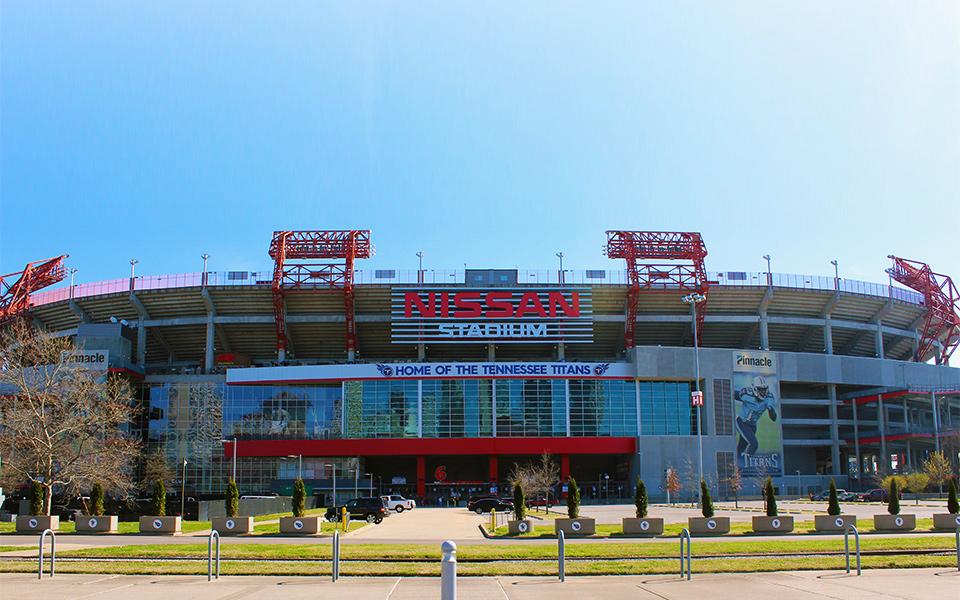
561,556
493,520
448,571
957,535
53,553
685,535
335,566
213,534
846,545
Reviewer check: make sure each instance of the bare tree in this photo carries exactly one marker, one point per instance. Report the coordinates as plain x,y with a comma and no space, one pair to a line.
672,483
61,425
735,483
938,469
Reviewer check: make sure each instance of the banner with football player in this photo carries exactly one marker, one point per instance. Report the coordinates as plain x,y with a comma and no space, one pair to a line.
756,393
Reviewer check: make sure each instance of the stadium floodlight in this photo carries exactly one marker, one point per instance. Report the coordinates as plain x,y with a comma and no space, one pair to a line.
694,299
133,264
766,257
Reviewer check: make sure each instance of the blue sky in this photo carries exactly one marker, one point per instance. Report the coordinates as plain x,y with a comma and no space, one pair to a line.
493,133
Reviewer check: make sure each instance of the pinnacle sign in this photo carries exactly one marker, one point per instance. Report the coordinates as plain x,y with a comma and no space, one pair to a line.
501,315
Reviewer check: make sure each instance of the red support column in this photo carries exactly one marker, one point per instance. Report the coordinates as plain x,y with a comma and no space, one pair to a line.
493,469
422,477
564,467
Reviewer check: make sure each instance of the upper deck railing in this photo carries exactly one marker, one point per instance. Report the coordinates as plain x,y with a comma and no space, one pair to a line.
448,277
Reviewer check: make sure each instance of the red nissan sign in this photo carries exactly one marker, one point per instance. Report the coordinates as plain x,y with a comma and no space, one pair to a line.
503,315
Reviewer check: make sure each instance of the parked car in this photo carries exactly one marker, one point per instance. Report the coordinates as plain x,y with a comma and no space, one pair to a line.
485,505
399,503
875,495
473,499
372,510
64,512
847,497
842,496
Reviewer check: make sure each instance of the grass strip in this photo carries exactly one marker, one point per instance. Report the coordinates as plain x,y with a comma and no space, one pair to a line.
467,552
432,568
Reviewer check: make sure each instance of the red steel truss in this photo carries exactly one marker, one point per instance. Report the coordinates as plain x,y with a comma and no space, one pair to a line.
346,245
15,288
942,321
644,252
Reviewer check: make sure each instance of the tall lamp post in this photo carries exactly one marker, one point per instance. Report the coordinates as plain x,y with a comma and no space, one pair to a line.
334,468
299,458
420,268
769,274
560,256
183,491
204,256
233,471
356,480
370,475
836,274
693,300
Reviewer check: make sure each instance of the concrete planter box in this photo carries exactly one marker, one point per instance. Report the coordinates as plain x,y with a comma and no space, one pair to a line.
160,525
520,527
894,522
644,526
233,525
575,526
833,523
37,523
778,524
96,524
946,521
300,525
709,525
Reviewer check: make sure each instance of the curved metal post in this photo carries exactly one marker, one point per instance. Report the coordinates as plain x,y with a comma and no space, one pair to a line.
53,553
685,535
846,545
213,534
335,567
561,556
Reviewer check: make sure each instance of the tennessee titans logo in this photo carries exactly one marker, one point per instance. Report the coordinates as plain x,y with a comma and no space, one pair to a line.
601,369
385,370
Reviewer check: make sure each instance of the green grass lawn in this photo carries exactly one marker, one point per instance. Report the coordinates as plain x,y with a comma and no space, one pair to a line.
432,567
468,552
674,529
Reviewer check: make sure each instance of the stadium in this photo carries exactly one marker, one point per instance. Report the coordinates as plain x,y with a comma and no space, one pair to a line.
435,383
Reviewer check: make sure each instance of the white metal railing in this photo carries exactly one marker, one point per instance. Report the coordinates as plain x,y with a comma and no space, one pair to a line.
447,277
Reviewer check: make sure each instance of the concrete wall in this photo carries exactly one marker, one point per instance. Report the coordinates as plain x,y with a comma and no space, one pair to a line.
252,507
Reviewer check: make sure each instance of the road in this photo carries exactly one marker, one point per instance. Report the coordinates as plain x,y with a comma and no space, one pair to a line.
912,584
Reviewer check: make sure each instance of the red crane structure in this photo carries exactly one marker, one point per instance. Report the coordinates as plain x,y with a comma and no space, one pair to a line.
345,245
644,252
15,288
942,320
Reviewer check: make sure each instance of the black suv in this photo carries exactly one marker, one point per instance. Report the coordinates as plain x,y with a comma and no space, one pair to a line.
371,510
482,505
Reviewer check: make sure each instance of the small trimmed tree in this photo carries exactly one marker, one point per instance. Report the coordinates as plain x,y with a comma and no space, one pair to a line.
299,498
573,499
706,502
96,500
36,498
158,501
640,499
893,502
519,502
917,482
770,497
833,505
953,507
232,502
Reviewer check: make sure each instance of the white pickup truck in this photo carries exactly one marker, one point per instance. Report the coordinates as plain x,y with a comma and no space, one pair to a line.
398,503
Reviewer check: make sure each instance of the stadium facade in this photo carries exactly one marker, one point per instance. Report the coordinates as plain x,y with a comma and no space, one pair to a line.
434,383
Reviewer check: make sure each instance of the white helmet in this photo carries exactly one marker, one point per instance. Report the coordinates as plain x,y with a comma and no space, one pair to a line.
760,385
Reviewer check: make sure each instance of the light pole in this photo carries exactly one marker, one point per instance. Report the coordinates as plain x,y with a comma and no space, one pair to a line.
799,486
370,475
420,267
299,458
204,256
560,256
693,300
836,274
73,272
356,479
183,491
334,468
769,274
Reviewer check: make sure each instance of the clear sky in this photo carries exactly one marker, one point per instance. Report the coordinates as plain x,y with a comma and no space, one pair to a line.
491,133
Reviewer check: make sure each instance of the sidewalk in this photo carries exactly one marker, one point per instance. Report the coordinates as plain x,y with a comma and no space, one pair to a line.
906,584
